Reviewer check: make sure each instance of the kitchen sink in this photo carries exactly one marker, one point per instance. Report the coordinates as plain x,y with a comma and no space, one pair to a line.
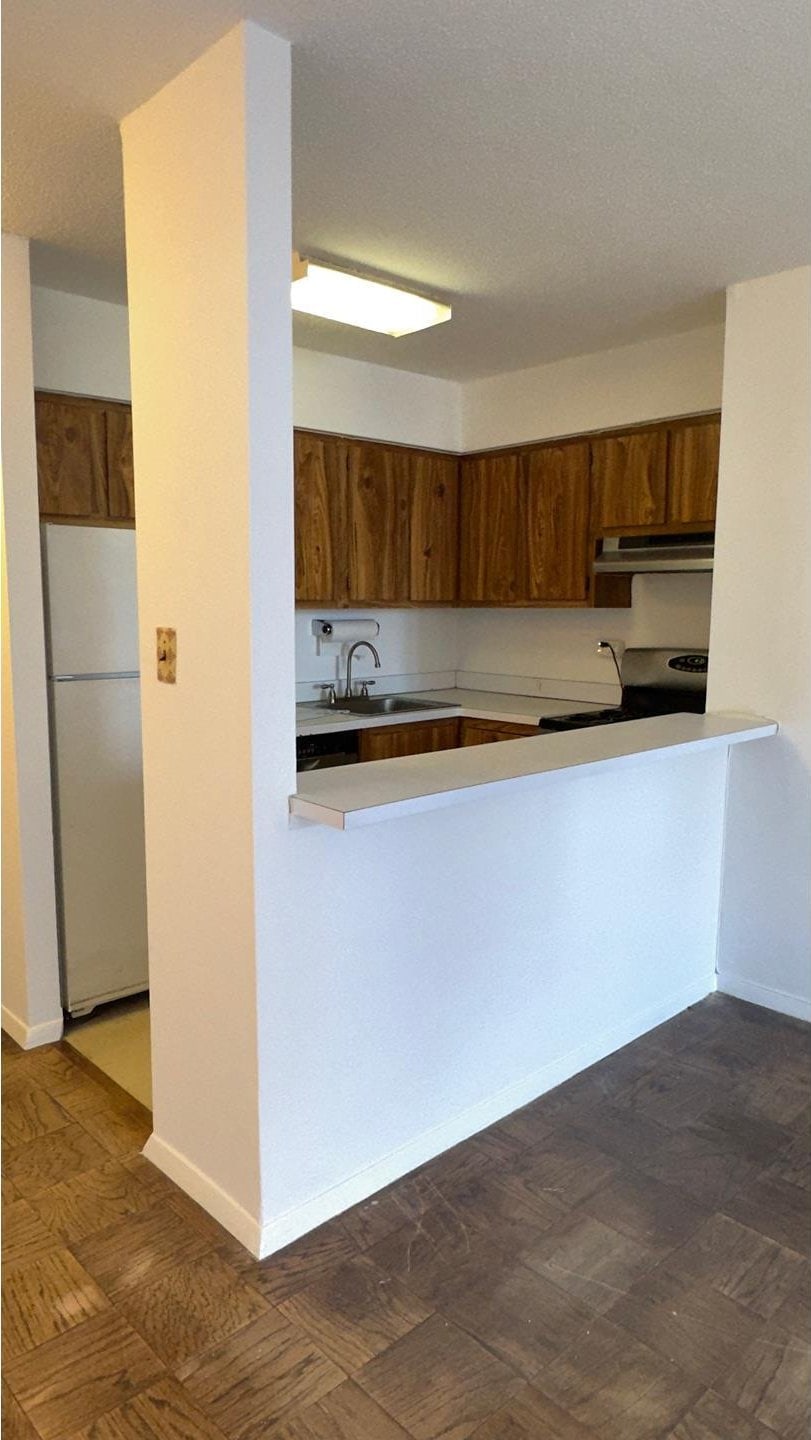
386,705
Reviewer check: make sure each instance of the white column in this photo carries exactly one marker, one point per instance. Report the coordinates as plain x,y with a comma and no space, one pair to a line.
760,646
207,195
31,1005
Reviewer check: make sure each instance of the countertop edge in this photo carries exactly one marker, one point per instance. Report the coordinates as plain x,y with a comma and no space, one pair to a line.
344,815
486,706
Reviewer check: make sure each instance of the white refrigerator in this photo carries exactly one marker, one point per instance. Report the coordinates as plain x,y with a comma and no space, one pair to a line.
93,685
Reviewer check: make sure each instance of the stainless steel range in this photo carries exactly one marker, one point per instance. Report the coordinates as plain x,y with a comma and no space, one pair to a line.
654,682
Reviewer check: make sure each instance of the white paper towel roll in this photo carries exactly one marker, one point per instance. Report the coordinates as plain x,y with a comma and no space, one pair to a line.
342,632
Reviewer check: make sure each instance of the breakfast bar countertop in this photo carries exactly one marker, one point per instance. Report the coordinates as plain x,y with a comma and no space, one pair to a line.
350,796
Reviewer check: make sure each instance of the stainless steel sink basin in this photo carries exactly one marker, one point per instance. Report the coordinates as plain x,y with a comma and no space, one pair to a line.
386,705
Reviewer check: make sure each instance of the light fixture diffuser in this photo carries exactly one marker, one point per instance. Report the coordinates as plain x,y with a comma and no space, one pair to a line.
368,304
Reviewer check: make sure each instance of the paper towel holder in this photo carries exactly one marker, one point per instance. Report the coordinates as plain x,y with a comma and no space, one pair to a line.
325,629
343,632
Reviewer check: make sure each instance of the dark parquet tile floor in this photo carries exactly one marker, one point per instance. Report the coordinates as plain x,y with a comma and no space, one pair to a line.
626,1258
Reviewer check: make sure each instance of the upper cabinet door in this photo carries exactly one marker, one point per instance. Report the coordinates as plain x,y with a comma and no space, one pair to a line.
557,478
434,529
320,487
71,459
493,566
693,473
629,479
120,470
377,506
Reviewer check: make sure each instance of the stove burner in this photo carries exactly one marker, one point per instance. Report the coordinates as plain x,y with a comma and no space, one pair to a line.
583,719
654,681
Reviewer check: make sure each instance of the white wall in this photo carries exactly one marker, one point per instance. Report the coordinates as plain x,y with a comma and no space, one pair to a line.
31,1004
418,650
561,645
212,411
761,640
433,973
655,379
82,345
379,403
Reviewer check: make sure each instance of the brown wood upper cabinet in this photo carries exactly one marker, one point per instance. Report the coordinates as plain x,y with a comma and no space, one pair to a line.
84,459
629,479
71,458
557,480
433,573
375,524
322,571
692,477
377,511
120,467
493,555
525,525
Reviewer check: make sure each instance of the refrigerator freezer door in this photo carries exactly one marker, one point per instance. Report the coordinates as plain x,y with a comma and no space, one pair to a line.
91,599
96,739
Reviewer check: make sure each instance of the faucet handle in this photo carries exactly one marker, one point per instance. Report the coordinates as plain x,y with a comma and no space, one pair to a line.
364,688
329,697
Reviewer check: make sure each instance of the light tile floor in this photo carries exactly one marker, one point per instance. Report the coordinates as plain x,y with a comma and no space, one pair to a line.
116,1039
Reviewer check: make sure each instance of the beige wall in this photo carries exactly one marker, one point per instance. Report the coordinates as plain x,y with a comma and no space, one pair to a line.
760,658
31,1007
82,345
212,391
675,375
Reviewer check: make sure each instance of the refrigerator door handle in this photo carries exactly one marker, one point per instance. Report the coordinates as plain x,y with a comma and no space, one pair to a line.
100,675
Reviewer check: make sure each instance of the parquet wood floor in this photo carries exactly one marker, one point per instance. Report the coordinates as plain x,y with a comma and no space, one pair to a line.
624,1259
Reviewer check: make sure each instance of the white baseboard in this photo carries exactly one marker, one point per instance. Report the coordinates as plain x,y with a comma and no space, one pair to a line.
242,1225
263,1240
796,1005
285,1228
29,1036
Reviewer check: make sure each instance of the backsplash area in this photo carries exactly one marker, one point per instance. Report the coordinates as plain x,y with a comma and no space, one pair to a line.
417,649
534,652
559,647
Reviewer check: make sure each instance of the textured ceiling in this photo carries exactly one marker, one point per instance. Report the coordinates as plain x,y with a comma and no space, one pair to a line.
571,175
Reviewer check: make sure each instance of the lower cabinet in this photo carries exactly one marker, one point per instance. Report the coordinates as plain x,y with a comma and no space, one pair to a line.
386,742
485,732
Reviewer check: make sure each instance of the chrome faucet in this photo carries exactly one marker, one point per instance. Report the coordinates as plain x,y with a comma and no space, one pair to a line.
358,645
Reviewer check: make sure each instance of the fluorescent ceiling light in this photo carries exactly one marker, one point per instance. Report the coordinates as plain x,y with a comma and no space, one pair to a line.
369,304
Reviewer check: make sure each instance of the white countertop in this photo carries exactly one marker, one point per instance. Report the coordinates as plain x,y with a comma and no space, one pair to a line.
475,704
353,795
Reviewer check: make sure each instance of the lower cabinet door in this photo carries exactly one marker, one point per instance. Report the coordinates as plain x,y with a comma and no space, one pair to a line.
486,732
386,742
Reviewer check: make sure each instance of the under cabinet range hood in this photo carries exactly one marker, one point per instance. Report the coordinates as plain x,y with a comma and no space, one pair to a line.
655,554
